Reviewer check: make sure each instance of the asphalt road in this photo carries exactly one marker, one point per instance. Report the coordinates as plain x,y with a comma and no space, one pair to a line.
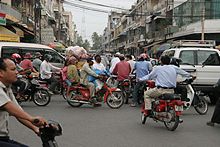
105,127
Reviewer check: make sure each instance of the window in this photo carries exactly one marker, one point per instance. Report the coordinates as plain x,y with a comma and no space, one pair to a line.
32,50
208,58
56,57
187,57
7,51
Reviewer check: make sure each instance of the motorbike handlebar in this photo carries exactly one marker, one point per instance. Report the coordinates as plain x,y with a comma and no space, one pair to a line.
187,81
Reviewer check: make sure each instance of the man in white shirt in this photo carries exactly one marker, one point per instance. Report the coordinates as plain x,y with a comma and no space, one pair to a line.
114,61
130,61
46,72
97,64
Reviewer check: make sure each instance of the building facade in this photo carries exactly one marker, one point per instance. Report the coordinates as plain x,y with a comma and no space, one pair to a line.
40,21
151,23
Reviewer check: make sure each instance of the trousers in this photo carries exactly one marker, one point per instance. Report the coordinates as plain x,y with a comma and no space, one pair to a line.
150,94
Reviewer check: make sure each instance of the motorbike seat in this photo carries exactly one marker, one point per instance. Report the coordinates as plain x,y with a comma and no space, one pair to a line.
169,96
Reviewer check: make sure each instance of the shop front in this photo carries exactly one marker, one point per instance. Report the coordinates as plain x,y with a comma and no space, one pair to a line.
8,36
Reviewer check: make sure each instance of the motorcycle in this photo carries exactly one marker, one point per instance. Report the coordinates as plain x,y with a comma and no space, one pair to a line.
193,98
49,132
125,86
166,108
33,92
80,95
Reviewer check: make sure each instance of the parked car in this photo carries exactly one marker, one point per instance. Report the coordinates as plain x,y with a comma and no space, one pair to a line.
204,63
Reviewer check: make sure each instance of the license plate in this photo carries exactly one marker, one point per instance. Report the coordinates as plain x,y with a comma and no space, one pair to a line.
178,108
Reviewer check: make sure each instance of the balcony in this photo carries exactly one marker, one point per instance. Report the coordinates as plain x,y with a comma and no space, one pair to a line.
12,14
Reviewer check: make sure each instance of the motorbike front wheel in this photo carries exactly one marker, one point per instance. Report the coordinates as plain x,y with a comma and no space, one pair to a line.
115,100
174,120
143,118
70,100
63,92
41,97
201,106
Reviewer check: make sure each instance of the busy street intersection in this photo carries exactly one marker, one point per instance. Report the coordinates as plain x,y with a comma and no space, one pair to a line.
87,126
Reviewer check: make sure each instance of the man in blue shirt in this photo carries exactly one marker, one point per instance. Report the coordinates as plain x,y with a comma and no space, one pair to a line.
142,68
165,77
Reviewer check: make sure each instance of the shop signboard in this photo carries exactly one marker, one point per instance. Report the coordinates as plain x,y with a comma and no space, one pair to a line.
47,35
2,19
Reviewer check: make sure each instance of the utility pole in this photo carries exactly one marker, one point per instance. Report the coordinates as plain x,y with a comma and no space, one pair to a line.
202,22
59,21
37,21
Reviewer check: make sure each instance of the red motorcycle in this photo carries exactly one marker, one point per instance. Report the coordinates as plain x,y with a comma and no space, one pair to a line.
80,95
166,108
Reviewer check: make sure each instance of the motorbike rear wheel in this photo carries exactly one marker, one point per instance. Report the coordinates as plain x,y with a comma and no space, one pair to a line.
41,97
126,96
70,99
174,122
115,100
201,105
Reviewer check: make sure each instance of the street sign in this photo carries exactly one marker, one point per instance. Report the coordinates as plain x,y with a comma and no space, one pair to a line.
2,19
47,35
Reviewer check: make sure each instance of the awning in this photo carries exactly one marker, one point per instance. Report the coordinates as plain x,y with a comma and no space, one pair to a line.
155,43
19,32
7,35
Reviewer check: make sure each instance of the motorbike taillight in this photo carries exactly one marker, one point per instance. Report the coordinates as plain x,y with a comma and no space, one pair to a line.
178,102
151,84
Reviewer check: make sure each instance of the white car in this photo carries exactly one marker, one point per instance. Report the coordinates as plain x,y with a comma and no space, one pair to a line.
204,63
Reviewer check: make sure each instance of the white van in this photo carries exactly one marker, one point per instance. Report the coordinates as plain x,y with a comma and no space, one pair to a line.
8,48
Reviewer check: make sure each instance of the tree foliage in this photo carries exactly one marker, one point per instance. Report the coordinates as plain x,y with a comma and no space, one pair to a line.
85,44
97,41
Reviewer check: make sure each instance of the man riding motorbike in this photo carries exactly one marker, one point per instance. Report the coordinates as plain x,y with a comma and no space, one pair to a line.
19,84
165,77
46,73
85,72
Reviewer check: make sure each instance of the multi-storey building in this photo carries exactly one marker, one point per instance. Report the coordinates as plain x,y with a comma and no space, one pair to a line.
151,23
40,21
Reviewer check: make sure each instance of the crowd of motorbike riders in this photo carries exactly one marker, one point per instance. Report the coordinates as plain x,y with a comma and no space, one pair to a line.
72,72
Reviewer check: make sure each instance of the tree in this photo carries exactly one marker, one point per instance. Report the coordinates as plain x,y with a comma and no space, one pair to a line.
86,45
97,41
79,41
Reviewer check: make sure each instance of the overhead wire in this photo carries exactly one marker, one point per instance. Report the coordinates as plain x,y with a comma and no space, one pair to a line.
85,7
102,5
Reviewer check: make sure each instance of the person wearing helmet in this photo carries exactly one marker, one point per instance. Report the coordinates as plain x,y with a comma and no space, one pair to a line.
37,61
175,61
18,85
142,68
26,64
46,73
17,60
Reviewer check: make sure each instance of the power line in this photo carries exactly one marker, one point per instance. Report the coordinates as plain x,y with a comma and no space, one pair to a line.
85,7
102,5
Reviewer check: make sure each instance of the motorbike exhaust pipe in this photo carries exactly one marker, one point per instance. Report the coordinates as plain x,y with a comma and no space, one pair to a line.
77,101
